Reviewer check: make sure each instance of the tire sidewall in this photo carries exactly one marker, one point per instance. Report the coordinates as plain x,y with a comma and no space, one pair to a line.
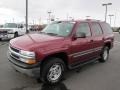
102,55
15,34
47,67
62,70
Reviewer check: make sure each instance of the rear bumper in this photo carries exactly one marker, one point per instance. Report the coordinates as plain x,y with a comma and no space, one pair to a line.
30,70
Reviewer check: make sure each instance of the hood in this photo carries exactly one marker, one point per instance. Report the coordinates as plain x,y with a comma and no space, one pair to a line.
28,41
6,28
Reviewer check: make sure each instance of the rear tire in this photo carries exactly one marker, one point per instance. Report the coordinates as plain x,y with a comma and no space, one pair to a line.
52,71
104,54
15,34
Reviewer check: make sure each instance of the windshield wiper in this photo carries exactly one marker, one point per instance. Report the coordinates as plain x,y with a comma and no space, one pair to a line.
42,32
54,34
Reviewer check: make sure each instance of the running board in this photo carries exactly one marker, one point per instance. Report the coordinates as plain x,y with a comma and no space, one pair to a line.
79,64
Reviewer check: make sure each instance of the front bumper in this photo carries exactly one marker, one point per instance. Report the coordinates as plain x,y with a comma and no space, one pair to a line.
30,70
7,36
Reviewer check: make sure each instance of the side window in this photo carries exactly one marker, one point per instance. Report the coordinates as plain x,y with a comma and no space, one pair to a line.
106,28
96,29
84,28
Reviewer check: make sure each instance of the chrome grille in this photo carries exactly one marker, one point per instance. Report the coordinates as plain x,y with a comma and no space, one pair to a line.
16,53
3,32
13,55
14,49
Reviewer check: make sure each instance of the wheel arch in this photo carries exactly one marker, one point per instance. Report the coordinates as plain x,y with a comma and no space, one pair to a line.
62,55
108,44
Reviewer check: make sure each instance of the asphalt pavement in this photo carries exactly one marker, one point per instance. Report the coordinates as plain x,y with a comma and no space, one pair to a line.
94,76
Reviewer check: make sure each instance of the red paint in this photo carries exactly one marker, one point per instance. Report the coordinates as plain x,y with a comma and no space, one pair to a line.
44,45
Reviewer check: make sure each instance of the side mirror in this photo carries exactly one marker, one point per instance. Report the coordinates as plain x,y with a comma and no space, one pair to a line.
20,26
80,35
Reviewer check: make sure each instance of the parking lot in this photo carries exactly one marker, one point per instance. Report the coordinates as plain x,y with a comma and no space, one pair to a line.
94,76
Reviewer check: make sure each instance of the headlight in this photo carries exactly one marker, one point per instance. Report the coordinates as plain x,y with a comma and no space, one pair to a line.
27,57
27,53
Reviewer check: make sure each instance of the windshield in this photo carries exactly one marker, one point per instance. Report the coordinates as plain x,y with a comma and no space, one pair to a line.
10,25
59,29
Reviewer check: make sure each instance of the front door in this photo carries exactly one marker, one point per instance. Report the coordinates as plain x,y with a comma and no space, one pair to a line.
82,48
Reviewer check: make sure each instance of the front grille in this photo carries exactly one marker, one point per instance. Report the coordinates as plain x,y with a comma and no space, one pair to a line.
14,49
12,54
3,32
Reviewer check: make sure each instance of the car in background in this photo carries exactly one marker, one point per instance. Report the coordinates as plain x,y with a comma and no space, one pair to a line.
37,27
119,31
11,30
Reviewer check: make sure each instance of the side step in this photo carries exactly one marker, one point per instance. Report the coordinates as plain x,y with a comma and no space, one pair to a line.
80,64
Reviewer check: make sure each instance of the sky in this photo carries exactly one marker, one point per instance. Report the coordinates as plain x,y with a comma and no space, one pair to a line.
14,10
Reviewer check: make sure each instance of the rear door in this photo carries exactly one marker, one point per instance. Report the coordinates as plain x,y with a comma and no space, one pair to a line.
82,47
97,36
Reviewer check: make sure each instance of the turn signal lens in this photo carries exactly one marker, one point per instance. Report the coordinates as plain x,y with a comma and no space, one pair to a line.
30,61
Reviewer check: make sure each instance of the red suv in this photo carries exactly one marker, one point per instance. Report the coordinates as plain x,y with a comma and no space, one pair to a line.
62,45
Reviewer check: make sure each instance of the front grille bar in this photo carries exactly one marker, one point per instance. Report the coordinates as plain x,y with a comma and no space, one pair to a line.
20,55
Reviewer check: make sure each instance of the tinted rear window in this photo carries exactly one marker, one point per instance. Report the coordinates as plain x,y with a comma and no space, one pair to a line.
106,28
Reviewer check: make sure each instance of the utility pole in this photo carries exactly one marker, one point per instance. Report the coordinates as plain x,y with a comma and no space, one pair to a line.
115,19
106,9
40,21
49,14
26,17
111,18
67,16
13,20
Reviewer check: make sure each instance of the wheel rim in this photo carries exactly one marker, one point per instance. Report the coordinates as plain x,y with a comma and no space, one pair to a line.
105,54
54,72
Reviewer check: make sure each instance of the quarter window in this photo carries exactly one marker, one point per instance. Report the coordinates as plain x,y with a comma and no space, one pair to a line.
106,28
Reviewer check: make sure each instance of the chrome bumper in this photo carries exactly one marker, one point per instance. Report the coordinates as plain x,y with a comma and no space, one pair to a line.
7,36
30,70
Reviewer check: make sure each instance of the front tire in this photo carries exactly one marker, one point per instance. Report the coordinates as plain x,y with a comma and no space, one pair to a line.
104,54
52,71
15,34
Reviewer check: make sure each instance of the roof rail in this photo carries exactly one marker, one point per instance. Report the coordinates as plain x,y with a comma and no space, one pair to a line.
93,20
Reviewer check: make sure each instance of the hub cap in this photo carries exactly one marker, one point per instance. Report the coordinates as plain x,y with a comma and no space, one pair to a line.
105,54
54,72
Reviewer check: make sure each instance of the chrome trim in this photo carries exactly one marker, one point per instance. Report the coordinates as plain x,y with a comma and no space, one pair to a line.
85,52
13,56
20,55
